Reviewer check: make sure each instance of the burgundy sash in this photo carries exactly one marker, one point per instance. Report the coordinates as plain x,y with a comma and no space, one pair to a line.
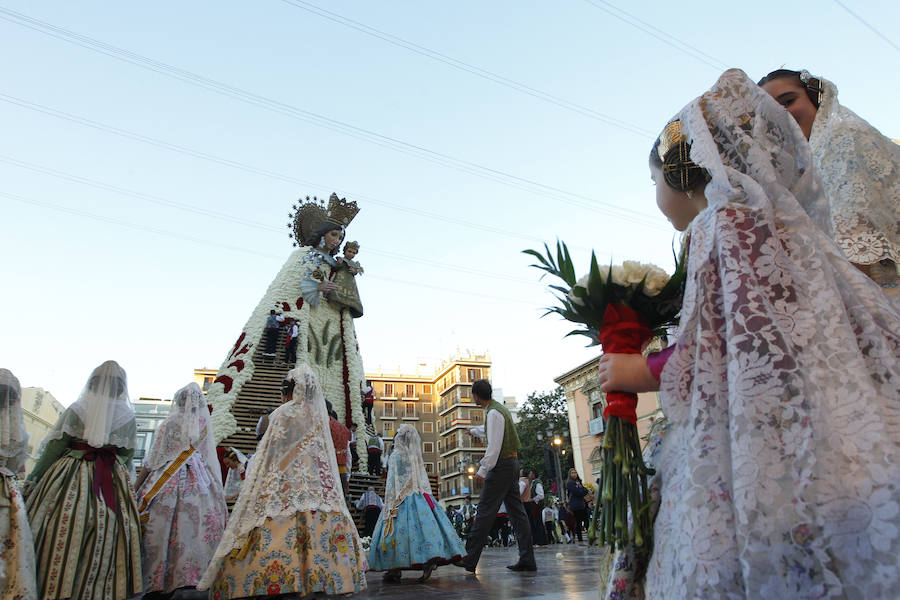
103,458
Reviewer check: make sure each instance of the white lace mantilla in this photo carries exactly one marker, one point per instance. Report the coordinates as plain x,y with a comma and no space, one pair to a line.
294,469
781,466
861,171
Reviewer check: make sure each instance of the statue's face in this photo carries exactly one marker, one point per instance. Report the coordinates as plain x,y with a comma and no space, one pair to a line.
350,253
333,239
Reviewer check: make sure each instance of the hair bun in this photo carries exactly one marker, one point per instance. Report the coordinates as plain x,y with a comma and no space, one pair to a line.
679,171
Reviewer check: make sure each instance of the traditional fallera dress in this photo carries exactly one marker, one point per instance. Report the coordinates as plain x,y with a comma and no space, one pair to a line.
412,530
181,500
781,465
82,497
290,530
16,543
235,477
860,169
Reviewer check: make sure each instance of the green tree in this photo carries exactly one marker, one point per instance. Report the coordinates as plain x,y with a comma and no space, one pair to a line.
543,416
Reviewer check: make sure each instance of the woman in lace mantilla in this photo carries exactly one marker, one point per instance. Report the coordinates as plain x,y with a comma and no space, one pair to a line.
780,468
290,531
860,169
180,497
412,532
82,496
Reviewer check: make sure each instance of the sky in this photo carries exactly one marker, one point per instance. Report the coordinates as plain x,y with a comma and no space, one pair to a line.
150,154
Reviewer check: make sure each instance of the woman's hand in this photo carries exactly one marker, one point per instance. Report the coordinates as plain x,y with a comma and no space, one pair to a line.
327,286
626,373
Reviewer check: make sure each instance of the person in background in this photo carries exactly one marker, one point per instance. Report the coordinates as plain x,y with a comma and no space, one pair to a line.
497,471
273,326
374,449
536,489
368,401
340,437
500,529
371,504
577,493
293,332
354,455
237,463
549,517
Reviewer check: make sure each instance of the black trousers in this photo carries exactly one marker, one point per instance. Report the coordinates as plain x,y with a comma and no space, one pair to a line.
500,530
375,462
271,340
536,523
372,513
292,352
500,485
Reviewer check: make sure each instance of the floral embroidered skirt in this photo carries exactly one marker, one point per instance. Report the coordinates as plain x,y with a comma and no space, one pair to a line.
306,553
420,532
16,543
183,524
83,548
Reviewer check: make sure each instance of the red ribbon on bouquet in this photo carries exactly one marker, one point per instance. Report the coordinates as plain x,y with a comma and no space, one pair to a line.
622,332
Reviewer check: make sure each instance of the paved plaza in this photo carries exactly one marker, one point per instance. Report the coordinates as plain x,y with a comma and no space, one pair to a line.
574,576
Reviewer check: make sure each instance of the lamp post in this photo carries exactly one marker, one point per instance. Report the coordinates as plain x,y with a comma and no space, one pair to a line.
557,444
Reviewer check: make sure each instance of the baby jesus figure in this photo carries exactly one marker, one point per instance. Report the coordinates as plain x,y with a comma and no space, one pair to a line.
346,295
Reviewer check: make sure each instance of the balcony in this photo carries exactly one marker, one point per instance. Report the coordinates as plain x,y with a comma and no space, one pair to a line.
596,426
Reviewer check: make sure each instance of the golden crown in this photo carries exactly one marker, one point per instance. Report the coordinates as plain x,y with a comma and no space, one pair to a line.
340,211
308,215
669,137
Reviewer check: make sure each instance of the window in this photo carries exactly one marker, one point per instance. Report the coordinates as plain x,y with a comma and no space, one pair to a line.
474,374
389,389
427,446
410,390
429,468
426,389
388,429
388,409
439,445
426,408
427,427
597,410
410,410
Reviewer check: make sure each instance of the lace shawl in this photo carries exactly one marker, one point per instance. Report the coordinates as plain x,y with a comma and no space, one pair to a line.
13,438
406,469
781,465
187,425
293,470
860,169
101,412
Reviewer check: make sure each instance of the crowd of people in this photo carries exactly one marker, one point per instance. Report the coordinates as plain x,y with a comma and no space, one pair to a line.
778,469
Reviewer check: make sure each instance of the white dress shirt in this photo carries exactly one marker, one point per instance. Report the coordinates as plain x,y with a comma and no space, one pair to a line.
496,425
538,494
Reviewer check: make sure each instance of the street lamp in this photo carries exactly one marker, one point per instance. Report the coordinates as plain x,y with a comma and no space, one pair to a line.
557,444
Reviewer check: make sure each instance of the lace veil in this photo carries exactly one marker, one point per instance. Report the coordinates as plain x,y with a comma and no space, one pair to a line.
102,411
406,473
860,169
13,438
781,465
293,470
187,425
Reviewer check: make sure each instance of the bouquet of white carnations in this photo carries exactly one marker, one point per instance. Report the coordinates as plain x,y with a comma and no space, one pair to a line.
620,308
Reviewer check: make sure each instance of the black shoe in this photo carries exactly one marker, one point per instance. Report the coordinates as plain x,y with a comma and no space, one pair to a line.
465,565
520,567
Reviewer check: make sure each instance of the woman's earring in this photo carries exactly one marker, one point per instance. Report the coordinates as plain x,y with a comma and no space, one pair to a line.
690,194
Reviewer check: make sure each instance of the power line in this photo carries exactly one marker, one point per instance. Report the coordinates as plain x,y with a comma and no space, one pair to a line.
171,234
657,33
241,221
508,179
104,127
872,29
470,68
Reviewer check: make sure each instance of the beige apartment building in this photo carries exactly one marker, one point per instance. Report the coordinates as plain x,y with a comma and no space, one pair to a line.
439,405
40,411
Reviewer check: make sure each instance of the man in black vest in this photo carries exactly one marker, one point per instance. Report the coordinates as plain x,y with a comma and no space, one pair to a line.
499,471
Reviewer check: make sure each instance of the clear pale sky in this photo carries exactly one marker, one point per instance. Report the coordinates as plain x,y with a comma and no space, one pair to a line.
116,248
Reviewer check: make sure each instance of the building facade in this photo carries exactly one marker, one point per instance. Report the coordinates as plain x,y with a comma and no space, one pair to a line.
585,403
40,411
439,405
149,413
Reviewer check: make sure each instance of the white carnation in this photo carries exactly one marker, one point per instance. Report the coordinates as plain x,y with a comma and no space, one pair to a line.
656,281
582,283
